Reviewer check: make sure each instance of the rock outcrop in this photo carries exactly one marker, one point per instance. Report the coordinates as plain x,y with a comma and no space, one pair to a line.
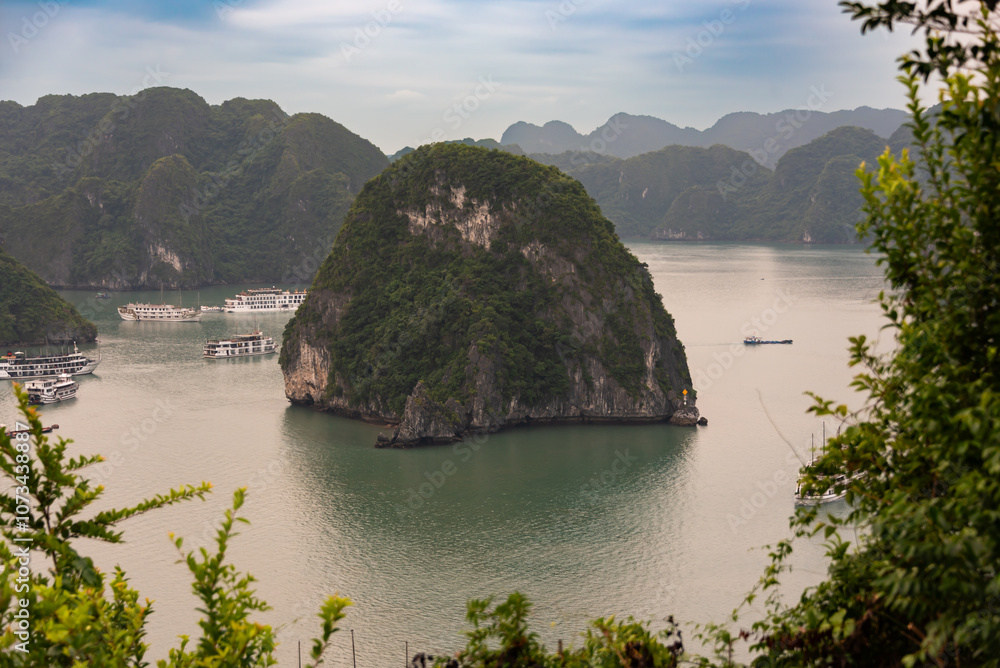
686,416
472,290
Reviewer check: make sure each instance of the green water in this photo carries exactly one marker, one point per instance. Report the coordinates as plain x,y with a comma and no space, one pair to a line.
586,520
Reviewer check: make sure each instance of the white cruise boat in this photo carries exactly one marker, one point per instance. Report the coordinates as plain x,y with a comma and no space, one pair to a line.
51,390
265,299
159,313
241,345
18,365
836,490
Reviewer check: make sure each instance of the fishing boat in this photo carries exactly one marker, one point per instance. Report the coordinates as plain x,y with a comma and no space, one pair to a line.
51,390
265,299
836,486
757,341
45,430
241,345
104,295
18,365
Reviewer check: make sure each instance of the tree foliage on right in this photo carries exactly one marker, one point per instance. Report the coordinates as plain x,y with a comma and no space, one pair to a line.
920,583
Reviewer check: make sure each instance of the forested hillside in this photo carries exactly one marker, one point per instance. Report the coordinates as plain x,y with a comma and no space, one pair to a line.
162,188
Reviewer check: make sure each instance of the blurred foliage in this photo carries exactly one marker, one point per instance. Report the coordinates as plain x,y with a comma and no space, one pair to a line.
913,575
56,606
500,639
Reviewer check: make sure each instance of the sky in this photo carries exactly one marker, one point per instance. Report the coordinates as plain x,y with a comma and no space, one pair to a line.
403,72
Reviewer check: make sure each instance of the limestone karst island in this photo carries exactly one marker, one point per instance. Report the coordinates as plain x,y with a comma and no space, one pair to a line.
500,334
471,290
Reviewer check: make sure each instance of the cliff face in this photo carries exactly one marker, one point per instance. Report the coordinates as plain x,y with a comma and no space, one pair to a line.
471,290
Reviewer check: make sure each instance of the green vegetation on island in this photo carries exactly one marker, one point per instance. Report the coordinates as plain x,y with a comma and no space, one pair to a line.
33,313
481,272
469,141
913,576
721,194
161,188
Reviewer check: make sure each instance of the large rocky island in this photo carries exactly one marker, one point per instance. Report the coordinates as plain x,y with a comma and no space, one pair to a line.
471,290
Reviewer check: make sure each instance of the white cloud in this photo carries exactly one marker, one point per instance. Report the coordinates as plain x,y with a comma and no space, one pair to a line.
605,57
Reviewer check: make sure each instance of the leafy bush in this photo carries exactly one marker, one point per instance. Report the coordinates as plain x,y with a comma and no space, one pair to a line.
69,614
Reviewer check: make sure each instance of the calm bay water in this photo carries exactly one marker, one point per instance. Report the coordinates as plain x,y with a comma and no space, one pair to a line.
587,521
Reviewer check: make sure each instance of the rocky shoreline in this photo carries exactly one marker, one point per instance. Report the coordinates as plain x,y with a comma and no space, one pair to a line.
486,312
426,422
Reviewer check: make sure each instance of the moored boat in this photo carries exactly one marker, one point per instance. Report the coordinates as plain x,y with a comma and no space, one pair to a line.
158,313
265,299
45,430
836,489
241,345
18,365
835,486
51,390
212,309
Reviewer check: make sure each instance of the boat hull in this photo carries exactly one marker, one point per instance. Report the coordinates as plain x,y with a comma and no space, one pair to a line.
223,356
265,300
48,391
158,313
76,366
242,345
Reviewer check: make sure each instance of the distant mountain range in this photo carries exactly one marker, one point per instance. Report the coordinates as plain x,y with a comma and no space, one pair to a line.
161,188
719,193
766,136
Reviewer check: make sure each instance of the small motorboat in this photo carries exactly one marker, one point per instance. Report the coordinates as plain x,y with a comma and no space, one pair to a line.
757,341
45,430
